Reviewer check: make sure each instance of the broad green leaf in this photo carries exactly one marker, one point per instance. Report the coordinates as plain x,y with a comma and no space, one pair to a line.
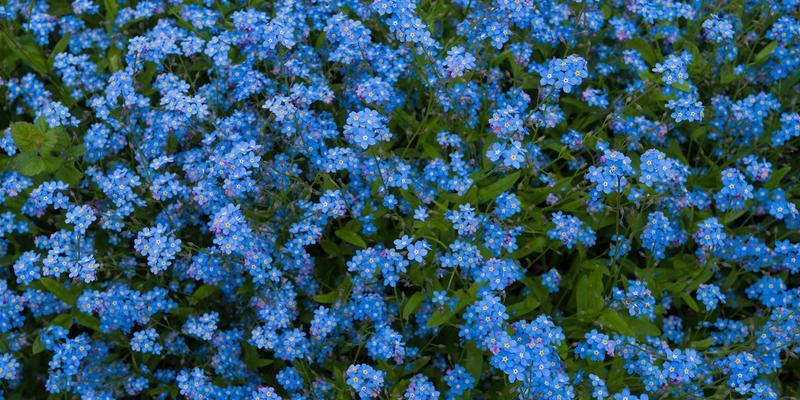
348,235
330,248
412,304
687,298
702,344
439,318
642,328
60,46
69,174
764,53
775,178
87,320
523,307
327,297
29,164
27,137
204,291
58,290
37,347
611,319
501,185
252,359
64,320
474,361
52,164
589,293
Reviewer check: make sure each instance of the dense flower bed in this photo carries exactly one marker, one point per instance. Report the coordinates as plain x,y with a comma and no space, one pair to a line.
466,199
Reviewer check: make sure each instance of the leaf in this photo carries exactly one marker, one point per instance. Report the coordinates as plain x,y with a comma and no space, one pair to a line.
589,293
204,291
534,245
52,164
330,248
439,318
60,136
327,297
58,290
60,46
77,150
111,10
251,357
499,186
347,234
727,76
762,55
41,124
647,51
523,307
642,328
29,52
474,361
611,319
412,304
69,174
27,137
87,320
64,320
702,344
682,86
29,164
687,298
37,347
776,177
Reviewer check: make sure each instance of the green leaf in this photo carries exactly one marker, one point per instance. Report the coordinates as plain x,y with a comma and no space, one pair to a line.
111,10
762,55
647,51
491,191
412,304
251,357
589,293
327,298
41,124
61,137
702,344
29,52
52,164
58,48
27,137
58,290
642,328
69,174
534,245
683,86
204,291
37,347
77,150
523,307
439,318
687,298
64,320
330,248
727,76
87,320
29,164
776,177
474,361
611,319
347,234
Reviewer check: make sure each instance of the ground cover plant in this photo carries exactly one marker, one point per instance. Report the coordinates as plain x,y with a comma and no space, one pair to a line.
358,199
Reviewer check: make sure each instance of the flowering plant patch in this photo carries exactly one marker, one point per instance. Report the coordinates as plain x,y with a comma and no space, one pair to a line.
455,199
